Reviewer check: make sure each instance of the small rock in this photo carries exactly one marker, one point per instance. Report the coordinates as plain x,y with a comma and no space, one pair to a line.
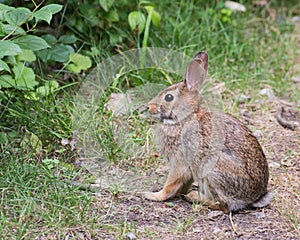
130,236
267,92
216,230
274,165
235,7
245,113
214,214
258,133
296,79
296,19
242,98
259,214
198,230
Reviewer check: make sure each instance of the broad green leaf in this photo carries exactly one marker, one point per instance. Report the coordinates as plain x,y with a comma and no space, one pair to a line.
26,55
11,60
149,9
31,96
46,13
4,7
24,77
49,38
17,16
3,10
137,20
113,16
73,68
3,138
155,17
31,141
58,53
90,14
61,52
47,88
7,81
31,42
114,39
67,39
7,29
54,8
106,4
52,84
4,66
147,3
78,63
43,14
8,48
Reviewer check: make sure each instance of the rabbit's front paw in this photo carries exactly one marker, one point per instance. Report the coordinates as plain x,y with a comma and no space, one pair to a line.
157,196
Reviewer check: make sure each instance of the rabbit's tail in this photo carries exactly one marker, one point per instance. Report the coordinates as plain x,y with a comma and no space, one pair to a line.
263,201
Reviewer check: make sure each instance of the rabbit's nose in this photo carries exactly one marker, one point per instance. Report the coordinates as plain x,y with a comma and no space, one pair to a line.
152,108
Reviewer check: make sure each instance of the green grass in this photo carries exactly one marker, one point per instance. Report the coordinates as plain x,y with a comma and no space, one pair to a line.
36,199
248,51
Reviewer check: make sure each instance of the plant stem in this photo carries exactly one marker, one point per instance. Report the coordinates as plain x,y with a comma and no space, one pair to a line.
145,39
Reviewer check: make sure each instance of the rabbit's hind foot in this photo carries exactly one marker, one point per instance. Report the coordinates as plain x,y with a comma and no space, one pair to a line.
195,196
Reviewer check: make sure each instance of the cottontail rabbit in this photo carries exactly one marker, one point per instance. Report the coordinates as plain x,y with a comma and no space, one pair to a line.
214,150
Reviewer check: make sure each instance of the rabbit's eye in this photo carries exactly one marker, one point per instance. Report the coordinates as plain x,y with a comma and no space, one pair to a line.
169,97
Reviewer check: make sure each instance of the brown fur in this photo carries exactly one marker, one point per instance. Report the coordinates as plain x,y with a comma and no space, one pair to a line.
213,149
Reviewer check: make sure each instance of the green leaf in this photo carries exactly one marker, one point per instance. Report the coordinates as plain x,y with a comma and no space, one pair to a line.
113,16
17,16
31,96
47,88
149,9
4,66
54,8
11,60
8,48
61,52
46,13
24,77
4,7
114,39
147,3
155,17
7,81
31,42
7,29
90,14
67,39
106,4
49,38
43,14
31,141
58,53
137,20
3,138
26,55
73,68
78,63
3,10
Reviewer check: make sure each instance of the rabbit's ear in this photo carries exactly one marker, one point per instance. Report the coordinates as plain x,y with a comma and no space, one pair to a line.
196,71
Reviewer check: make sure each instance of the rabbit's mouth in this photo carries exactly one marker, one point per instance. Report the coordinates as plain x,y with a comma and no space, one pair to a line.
171,119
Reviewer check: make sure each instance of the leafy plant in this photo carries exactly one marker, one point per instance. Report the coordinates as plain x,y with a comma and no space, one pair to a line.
18,46
140,24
